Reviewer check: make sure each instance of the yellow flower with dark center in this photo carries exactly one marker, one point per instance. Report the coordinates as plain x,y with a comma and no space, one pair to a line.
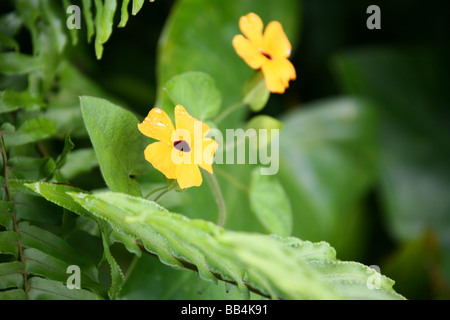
269,51
179,152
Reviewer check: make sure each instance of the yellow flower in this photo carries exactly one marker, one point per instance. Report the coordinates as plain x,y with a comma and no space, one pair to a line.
268,51
179,152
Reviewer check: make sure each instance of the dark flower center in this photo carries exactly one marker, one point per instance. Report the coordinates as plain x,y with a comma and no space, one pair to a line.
266,54
182,146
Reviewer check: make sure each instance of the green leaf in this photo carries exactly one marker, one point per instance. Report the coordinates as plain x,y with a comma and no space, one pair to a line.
31,130
44,289
42,264
256,93
68,146
16,294
315,140
29,168
57,26
272,267
6,208
270,203
8,243
137,5
18,63
78,162
11,275
196,91
87,13
117,142
58,194
12,100
124,14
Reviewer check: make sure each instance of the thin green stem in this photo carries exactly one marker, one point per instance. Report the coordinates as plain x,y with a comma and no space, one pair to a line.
161,195
155,190
219,198
13,215
228,111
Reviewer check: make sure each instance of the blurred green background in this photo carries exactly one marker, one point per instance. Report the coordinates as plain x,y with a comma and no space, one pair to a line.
365,151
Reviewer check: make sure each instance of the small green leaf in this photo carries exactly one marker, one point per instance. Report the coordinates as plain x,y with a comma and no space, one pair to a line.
117,142
137,5
256,93
29,168
11,275
107,20
78,162
8,243
270,203
44,289
31,130
7,42
68,146
197,92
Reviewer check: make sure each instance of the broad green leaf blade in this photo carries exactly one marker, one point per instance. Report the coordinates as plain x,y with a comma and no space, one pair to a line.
263,255
29,168
87,13
11,275
196,91
117,142
68,146
137,5
315,140
31,130
44,289
270,203
8,243
279,268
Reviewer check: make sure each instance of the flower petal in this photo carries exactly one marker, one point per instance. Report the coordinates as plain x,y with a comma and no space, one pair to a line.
277,74
189,175
276,41
157,125
209,147
159,154
248,52
251,26
183,120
